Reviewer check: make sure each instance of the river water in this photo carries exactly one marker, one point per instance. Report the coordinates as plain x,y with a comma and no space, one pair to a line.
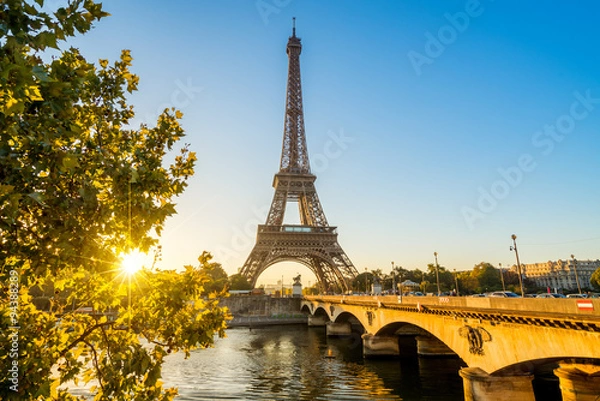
301,363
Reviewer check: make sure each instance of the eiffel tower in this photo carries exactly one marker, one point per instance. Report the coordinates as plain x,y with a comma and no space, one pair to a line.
312,243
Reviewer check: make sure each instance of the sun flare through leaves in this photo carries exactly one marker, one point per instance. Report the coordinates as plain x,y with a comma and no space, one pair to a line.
133,262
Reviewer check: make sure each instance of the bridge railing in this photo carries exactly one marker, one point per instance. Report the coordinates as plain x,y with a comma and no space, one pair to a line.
590,308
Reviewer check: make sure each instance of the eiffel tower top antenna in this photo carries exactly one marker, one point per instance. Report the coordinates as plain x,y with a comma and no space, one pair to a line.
294,154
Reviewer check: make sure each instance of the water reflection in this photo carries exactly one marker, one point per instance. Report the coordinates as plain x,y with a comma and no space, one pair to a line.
298,363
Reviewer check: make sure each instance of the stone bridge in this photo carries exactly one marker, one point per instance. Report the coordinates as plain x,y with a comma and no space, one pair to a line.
501,340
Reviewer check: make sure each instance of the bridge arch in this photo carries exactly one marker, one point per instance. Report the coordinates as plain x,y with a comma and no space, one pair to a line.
534,365
401,328
321,312
306,309
502,341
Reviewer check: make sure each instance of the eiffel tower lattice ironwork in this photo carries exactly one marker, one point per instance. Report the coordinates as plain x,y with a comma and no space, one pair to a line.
313,243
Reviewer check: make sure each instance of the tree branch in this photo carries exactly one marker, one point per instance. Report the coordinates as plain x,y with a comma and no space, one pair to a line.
83,336
98,370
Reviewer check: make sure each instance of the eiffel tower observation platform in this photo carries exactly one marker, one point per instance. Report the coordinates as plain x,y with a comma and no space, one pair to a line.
292,229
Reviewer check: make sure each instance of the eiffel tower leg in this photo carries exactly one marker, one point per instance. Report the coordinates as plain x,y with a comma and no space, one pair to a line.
277,211
311,212
250,268
333,282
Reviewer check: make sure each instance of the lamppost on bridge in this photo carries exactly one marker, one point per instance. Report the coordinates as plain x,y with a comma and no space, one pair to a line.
456,282
576,275
401,285
393,279
501,277
514,248
437,274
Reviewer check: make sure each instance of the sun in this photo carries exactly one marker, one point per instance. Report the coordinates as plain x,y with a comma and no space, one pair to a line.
132,262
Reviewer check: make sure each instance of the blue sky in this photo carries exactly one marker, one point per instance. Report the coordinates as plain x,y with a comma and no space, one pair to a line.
432,126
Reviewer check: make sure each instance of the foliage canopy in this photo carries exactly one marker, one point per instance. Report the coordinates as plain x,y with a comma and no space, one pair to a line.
595,279
78,188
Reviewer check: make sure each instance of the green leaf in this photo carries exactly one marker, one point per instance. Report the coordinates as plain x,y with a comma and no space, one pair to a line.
134,176
6,189
40,73
38,197
70,161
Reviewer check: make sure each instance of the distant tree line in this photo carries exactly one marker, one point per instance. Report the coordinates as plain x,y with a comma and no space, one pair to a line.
484,277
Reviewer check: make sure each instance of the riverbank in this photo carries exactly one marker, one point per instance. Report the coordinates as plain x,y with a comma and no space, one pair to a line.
276,320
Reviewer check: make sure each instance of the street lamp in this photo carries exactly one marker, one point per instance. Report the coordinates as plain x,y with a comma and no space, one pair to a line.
502,277
514,248
456,282
437,274
393,280
400,285
576,275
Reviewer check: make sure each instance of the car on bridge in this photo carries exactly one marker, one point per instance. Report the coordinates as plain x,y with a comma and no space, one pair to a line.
550,295
577,296
503,294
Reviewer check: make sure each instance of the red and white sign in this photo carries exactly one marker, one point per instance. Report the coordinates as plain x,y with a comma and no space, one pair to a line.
585,304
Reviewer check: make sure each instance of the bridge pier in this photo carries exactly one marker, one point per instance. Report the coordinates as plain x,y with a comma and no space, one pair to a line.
480,386
338,329
316,321
431,346
374,346
579,382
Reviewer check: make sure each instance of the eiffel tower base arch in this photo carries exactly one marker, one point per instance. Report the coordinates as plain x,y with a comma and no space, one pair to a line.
315,247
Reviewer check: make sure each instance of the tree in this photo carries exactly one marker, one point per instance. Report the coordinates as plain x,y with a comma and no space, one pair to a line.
219,281
488,277
595,279
468,282
378,273
312,290
239,282
363,281
446,279
79,189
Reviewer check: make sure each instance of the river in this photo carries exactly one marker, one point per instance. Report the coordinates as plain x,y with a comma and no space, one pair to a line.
301,363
